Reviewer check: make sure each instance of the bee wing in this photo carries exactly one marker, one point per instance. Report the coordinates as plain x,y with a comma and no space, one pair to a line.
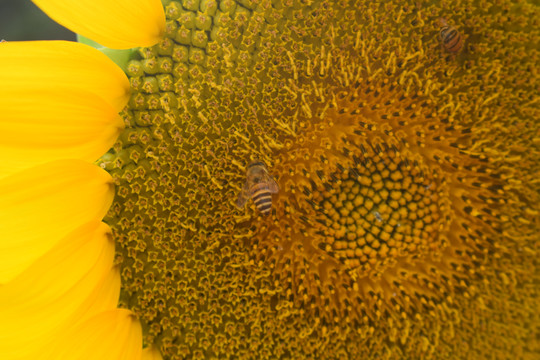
243,196
272,185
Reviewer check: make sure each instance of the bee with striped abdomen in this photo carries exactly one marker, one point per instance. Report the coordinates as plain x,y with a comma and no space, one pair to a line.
259,186
452,39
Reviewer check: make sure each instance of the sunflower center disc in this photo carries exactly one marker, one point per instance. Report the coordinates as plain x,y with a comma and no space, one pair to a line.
379,213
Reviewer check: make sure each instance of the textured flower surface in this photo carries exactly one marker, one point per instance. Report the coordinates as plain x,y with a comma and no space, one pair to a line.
59,287
407,221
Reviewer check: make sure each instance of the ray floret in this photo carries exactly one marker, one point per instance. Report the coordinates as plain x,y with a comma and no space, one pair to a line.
45,301
41,205
119,24
59,100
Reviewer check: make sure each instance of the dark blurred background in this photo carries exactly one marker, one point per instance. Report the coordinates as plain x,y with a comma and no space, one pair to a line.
22,20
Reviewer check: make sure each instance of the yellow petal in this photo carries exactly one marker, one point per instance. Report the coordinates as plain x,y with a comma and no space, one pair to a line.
46,65
72,282
151,353
114,335
41,205
52,106
105,297
117,24
51,125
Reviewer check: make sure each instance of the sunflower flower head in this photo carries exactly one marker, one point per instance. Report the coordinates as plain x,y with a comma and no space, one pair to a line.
405,149
406,219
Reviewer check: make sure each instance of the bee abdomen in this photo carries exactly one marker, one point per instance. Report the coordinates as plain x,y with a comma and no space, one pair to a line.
262,199
451,38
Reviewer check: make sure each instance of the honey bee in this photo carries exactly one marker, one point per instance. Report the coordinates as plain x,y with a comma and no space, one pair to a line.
259,186
450,37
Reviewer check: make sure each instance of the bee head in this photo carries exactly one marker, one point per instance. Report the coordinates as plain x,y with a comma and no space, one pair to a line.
256,163
442,22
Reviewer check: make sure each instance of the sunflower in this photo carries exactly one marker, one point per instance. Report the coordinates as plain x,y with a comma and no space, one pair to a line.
59,286
407,218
